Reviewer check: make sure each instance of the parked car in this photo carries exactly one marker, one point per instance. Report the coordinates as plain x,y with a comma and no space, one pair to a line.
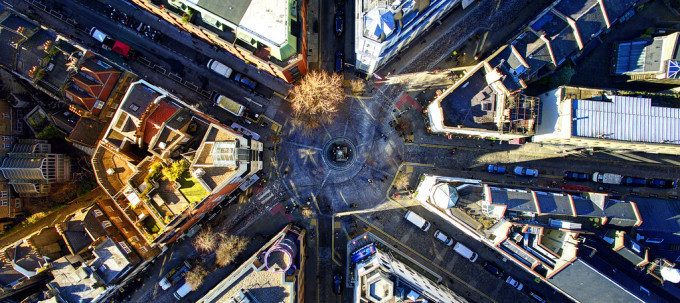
443,237
492,269
245,82
229,105
662,183
607,178
363,253
516,284
337,283
339,61
496,169
219,68
339,24
417,220
174,275
576,176
182,291
633,181
536,296
465,252
525,171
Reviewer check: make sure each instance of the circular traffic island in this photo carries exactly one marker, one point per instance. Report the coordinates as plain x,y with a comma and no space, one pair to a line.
339,153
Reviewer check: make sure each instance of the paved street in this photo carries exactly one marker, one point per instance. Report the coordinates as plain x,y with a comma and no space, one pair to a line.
172,64
299,168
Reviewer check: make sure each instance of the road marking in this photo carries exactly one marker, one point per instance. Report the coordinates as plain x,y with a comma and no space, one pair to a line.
343,198
426,259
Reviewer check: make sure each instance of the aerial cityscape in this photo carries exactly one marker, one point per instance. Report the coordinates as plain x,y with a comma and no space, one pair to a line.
340,151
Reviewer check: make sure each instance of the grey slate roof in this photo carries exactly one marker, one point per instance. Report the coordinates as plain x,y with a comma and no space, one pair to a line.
631,119
574,8
660,219
564,44
139,98
591,23
587,283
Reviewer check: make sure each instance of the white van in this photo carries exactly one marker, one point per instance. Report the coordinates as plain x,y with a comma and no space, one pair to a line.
97,34
417,220
229,105
465,252
182,291
607,178
219,68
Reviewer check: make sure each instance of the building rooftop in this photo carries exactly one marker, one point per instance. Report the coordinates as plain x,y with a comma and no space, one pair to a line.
661,219
591,277
624,118
646,55
471,104
255,281
75,284
111,261
87,132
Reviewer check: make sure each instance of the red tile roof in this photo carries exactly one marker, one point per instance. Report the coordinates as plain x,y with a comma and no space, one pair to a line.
153,124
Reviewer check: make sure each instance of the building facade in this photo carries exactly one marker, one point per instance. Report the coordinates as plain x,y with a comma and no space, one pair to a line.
31,168
268,34
381,277
383,28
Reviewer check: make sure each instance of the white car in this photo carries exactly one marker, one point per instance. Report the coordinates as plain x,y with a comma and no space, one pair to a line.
524,171
443,237
516,284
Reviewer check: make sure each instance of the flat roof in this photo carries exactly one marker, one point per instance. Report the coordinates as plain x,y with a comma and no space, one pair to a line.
632,119
471,103
265,19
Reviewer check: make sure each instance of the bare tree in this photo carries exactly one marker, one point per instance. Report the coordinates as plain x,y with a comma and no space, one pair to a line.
205,241
357,87
196,276
317,99
401,181
228,249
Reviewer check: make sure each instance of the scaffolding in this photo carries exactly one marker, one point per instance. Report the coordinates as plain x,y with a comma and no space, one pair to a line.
521,114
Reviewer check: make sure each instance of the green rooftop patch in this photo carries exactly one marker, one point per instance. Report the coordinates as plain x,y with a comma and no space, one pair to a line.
192,190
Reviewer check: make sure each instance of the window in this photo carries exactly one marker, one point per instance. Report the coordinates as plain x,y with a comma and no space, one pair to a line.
4,202
143,249
7,145
6,138
125,247
106,223
133,107
5,115
3,194
97,213
134,239
17,204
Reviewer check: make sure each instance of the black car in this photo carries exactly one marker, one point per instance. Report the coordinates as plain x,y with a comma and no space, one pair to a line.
337,283
576,176
492,269
339,61
633,181
661,183
339,24
245,82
